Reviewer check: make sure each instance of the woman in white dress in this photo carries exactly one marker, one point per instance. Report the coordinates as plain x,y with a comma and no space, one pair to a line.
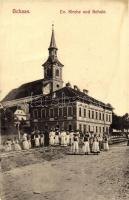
105,144
37,137
56,138
76,143
63,138
42,140
52,138
67,138
95,147
25,144
86,146
17,146
71,138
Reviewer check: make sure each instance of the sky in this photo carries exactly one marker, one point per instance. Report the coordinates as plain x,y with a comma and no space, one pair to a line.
92,46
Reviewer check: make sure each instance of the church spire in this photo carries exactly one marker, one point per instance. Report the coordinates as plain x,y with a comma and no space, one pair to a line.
52,42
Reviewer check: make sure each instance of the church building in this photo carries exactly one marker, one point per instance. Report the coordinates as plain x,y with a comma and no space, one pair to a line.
66,107
50,104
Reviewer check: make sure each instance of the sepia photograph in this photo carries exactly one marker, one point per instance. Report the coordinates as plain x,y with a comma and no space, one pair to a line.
64,100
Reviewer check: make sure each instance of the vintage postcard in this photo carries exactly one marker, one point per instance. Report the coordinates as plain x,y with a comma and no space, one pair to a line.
64,100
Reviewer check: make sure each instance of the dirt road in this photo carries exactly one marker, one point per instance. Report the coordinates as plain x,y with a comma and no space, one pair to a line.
69,177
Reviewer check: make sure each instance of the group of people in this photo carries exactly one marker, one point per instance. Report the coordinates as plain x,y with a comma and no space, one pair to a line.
87,143
27,141
90,142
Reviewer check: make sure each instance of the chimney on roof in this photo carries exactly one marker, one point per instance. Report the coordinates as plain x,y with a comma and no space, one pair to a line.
85,91
76,88
68,84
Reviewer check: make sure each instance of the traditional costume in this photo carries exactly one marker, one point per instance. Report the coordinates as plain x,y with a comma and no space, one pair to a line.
37,144
75,143
42,140
63,138
25,144
57,138
67,138
52,138
17,147
86,147
71,138
95,146
105,144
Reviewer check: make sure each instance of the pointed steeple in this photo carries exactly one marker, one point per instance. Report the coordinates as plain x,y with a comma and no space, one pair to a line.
52,42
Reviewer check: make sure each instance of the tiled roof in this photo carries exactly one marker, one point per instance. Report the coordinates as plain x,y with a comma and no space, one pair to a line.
74,94
25,90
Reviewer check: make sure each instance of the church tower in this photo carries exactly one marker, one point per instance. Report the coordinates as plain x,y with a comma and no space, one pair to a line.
53,67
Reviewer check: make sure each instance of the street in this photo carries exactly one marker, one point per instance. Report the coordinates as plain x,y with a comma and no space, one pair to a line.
55,175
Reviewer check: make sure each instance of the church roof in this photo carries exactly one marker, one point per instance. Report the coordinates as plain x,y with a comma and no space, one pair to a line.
25,90
52,60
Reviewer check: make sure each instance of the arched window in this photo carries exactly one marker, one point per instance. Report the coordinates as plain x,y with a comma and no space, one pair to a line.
57,72
49,72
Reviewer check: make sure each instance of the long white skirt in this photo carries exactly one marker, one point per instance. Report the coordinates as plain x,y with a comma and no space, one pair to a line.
52,140
67,139
105,146
56,140
95,147
37,142
17,147
86,147
25,145
42,141
75,146
63,141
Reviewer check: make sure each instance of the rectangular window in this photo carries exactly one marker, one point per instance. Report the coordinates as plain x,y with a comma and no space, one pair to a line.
109,118
56,112
100,129
106,117
103,130
92,114
96,129
103,117
43,113
64,111
70,111
89,113
51,113
84,112
60,112
99,116
35,114
80,112
96,115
